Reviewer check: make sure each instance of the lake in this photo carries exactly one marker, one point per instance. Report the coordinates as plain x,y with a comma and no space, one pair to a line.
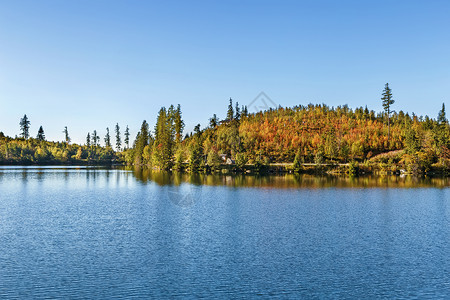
128,233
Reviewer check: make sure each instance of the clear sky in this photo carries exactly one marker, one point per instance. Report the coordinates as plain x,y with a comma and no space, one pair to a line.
88,64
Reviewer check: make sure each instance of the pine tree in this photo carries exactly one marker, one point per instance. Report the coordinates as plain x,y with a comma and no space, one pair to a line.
197,129
230,112
297,166
213,121
95,138
387,101
164,139
179,124
142,140
25,127
41,135
237,115
107,139
127,137
441,119
244,111
88,140
118,139
66,135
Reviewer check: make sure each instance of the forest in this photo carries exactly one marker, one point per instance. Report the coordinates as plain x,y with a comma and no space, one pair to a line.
298,137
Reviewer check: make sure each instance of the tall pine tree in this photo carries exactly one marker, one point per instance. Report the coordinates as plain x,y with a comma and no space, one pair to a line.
230,112
66,135
107,138
118,139
25,127
127,137
179,124
164,138
40,136
387,101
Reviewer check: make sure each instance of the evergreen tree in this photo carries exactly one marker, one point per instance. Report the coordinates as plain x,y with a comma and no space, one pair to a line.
142,140
25,127
164,138
442,134
95,138
230,112
387,101
179,124
118,139
41,135
107,138
412,142
244,111
213,160
213,121
297,166
195,157
88,140
66,135
441,119
237,115
127,137
197,129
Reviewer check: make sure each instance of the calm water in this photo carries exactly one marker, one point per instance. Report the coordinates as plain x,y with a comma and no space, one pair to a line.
93,233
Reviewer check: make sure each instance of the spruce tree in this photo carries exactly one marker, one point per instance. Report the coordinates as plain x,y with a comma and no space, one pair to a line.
66,135
88,140
213,121
142,140
237,115
118,139
197,129
40,136
107,139
230,112
164,139
94,138
441,119
387,101
25,127
127,137
179,124
244,111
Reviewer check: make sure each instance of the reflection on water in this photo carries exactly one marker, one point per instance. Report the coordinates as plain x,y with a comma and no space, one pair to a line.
88,233
145,175
121,176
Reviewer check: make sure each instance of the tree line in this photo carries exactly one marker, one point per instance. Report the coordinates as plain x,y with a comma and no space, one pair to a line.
313,133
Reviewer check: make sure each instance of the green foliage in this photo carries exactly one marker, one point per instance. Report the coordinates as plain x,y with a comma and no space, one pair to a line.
213,122
118,139
40,136
178,124
25,127
353,168
95,138
127,137
297,166
241,160
66,135
195,158
412,142
164,139
387,101
230,112
38,151
107,139
213,160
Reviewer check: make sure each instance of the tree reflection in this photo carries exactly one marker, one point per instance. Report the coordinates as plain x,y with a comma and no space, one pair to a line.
146,175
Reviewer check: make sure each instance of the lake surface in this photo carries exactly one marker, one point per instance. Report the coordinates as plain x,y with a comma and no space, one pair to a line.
97,233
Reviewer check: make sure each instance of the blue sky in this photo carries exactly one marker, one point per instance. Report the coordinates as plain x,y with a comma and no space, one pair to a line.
91,64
